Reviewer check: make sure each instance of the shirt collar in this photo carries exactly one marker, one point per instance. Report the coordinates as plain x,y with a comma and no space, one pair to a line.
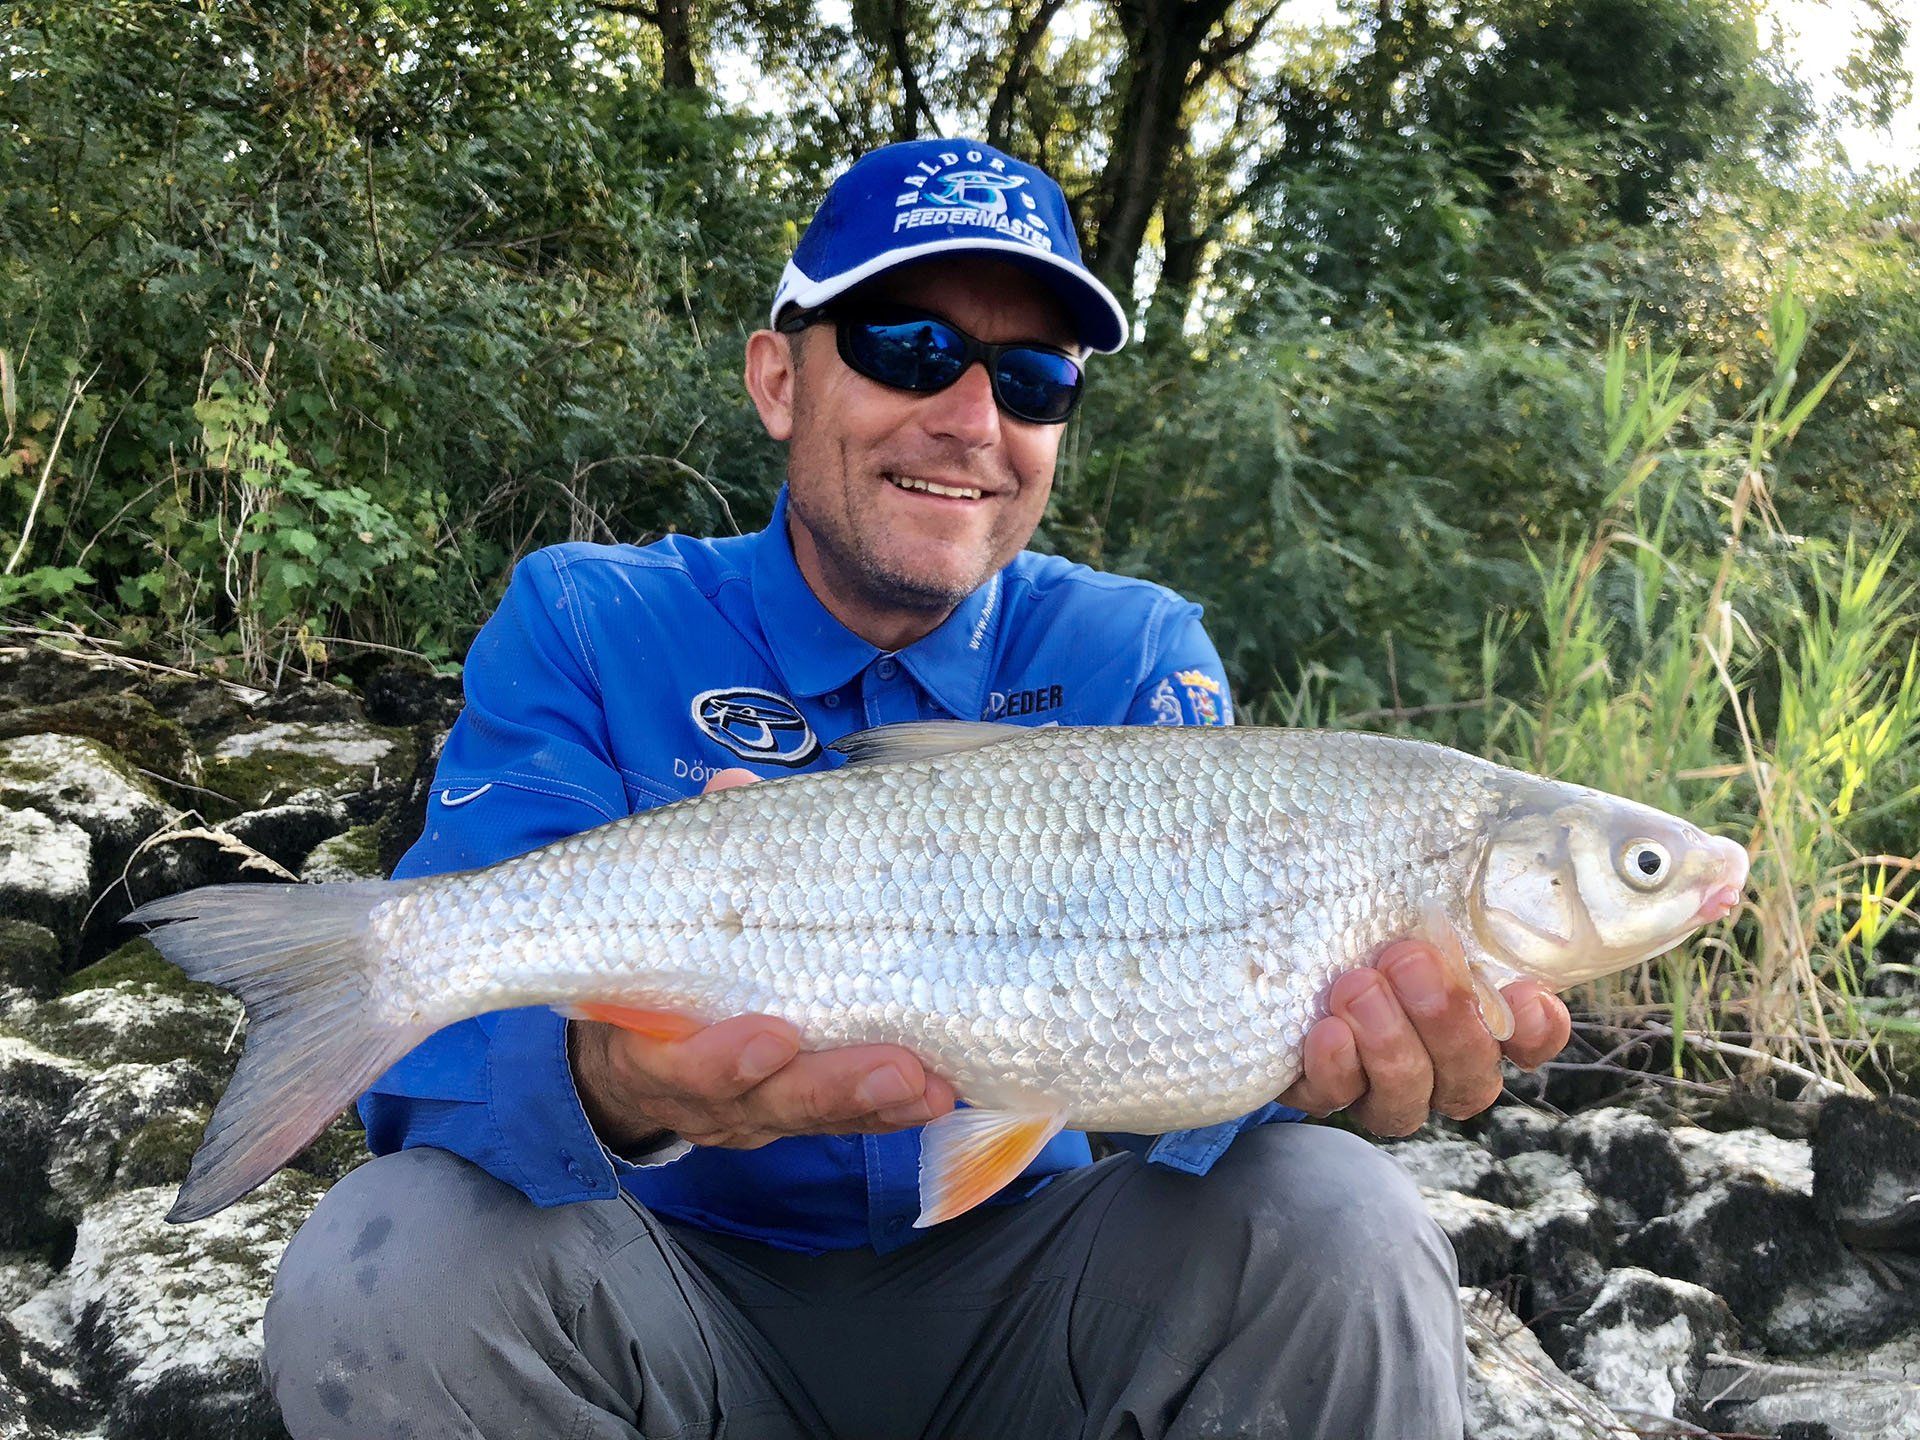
816,653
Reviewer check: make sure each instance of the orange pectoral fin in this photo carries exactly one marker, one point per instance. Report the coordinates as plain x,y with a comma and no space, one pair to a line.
654,1024
966,1156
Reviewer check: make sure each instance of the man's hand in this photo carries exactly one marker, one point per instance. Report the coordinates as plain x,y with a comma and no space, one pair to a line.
1405,1037
744,1081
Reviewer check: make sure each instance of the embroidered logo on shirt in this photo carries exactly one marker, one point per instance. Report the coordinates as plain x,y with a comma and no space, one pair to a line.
756,725
450,800
1189,697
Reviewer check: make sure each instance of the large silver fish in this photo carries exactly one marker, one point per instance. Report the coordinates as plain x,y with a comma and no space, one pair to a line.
1109,929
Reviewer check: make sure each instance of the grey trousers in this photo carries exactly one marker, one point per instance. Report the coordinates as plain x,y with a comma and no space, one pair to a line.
1298,1290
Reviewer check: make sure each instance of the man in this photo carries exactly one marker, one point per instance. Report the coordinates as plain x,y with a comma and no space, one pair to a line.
573,1230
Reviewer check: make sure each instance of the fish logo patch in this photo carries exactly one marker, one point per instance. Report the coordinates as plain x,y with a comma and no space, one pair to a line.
756,725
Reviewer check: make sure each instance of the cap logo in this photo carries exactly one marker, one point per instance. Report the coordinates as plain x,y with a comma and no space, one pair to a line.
935,192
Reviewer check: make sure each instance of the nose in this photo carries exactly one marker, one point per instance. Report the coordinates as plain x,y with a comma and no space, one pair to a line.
965,411
1733,862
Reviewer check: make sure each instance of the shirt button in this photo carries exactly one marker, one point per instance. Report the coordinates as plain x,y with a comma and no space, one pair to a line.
896,1225
832,702
573,1167
888,668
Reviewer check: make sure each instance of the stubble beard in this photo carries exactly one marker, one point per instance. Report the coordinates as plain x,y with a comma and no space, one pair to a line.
847,545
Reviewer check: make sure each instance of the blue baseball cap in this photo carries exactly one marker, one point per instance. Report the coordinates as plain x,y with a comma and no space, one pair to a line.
922,198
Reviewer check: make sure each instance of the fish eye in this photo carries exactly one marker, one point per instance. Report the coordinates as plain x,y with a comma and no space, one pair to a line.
1644,864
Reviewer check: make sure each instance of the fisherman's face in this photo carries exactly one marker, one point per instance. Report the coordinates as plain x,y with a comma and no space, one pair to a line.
853,440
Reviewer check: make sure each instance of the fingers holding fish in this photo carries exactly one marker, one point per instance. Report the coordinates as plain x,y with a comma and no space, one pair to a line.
744,1082
1439,1002
1330,1075
1541,1024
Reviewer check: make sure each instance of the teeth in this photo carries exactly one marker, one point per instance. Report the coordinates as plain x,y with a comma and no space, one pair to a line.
956,492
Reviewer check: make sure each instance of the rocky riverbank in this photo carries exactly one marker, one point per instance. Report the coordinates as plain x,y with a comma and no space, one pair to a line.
1627,1270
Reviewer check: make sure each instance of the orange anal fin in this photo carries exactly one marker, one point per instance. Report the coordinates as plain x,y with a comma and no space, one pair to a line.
967,1156
654,1024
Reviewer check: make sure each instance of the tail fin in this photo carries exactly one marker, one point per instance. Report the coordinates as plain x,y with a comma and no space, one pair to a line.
298,958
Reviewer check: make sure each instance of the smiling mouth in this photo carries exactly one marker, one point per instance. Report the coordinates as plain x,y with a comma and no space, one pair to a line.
914,485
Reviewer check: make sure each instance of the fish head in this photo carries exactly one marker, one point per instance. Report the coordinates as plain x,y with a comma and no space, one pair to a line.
1574,883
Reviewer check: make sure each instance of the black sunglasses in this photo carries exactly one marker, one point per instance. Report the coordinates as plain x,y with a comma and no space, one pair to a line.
912,350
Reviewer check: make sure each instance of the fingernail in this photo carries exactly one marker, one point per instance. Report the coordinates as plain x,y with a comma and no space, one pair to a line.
1418,979
764,1055
1374,1008
885,1086
916,1112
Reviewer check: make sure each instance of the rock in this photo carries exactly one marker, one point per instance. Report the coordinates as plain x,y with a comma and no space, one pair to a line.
126,724
287,834
1866,1170
1810,1401
35,1088
1458,1165
134,1008
351,855
409,694
311,702
1485,1236
165,1319
1514,1391
29,958
1781,1268
18,1406
1626,1158
1515,1130
206,711
1713,1157
133,1125
80,781
46,872
45,677
269,764
404,821
1642,1343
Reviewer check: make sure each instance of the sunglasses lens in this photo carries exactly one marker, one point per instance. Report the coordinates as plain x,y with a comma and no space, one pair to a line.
1037,384
917,354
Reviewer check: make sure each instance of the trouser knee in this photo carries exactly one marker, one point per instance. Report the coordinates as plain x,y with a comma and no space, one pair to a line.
419,1277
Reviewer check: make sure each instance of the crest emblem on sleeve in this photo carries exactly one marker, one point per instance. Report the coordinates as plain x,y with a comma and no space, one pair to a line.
756,725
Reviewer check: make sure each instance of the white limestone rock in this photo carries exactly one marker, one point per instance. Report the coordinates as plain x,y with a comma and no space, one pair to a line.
1626,1158
1514,1390
135,1124
268,765
165,1319
81,781
1448,1164
46,871
1642,1342
1712,1157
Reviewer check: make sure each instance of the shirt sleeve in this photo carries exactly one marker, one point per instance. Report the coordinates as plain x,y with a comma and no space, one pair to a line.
526,763
1187,685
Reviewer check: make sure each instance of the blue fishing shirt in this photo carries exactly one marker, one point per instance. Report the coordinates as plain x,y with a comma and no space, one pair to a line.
615,678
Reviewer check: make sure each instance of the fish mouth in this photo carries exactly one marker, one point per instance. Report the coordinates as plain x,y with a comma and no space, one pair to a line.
1723,898
1720,902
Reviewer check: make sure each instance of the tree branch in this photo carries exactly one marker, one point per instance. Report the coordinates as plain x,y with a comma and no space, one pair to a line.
1014,82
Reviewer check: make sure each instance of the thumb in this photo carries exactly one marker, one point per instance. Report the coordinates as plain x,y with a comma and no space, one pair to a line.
728,779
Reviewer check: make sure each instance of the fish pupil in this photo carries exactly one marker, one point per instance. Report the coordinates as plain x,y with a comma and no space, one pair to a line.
1649,862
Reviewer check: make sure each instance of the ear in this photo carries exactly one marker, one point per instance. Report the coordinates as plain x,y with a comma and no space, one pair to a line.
770,375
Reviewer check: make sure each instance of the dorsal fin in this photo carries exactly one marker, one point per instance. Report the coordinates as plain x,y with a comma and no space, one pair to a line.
922,739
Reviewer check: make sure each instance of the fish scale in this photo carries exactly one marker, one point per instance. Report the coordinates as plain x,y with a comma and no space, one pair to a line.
1068,876
1126,929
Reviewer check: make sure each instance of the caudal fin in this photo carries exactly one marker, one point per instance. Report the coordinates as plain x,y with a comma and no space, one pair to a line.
299,959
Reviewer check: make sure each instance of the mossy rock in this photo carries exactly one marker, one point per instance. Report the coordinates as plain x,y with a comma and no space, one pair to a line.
125,723
134,1007
161,1151
29,956
138,963
351,855
273,763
